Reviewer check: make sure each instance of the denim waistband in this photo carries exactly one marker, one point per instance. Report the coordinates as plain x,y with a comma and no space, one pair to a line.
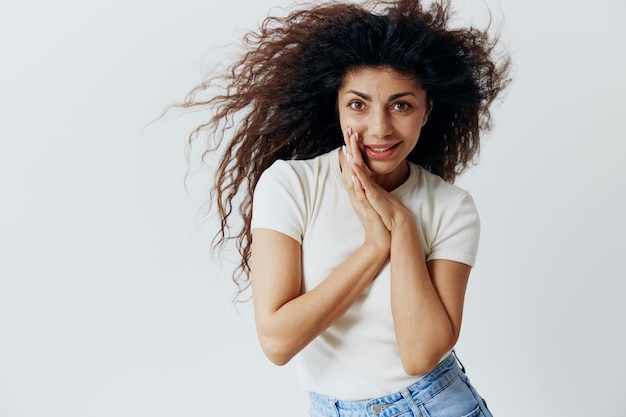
422,390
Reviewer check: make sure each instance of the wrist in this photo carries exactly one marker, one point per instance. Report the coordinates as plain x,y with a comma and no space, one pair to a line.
403,220
377,248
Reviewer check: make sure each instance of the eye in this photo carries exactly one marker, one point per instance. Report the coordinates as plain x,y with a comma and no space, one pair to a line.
356,105
401,106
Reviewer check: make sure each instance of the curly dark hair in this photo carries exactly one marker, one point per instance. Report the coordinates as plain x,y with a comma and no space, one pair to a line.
279,98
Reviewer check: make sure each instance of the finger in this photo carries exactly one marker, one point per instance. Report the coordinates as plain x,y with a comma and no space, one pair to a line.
357,154
369,189
352,185
364,207
363,174
346,136
347,148
347,164
357,196
346,171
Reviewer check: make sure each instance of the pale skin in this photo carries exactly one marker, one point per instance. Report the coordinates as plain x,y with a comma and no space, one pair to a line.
381,113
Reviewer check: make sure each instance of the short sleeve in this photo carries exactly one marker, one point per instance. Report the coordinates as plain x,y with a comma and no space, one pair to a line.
458,232
278,201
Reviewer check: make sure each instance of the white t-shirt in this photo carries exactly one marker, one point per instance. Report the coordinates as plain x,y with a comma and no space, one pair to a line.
357,357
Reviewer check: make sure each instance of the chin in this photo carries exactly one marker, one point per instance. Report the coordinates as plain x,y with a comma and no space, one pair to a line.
382,167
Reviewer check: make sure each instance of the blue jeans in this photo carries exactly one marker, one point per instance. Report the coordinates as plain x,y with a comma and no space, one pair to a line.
443,392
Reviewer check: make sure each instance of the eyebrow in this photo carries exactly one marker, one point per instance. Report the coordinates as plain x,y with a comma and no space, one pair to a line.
391,97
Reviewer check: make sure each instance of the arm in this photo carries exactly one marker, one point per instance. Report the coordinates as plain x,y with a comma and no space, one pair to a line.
426,298
286,320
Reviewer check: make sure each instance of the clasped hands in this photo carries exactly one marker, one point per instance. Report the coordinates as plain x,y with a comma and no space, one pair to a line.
380,213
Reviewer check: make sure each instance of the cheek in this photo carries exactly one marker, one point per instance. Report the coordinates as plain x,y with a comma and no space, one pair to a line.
411,129
358,124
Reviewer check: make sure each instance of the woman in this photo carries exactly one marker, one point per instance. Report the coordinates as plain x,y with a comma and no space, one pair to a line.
355,121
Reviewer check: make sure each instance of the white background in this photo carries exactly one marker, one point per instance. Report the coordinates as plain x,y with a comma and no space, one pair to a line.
111,304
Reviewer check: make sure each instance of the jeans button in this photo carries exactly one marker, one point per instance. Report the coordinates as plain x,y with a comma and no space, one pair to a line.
377,408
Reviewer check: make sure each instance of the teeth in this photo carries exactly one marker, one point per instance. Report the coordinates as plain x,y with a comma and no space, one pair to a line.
380,150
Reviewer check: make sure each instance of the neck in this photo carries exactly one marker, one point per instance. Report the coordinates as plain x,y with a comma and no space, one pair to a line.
393,180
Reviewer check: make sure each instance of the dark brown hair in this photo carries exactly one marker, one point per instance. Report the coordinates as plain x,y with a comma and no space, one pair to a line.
278,100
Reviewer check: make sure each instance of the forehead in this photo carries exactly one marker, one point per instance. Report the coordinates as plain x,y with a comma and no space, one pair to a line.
379,78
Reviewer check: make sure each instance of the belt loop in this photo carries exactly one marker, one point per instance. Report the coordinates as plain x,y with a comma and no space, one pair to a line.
409,399
335,407
458,360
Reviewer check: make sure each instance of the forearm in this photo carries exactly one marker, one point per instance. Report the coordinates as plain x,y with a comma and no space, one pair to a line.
424,331
292,326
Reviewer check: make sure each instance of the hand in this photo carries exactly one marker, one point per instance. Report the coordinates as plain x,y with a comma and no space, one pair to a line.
376,231
391,211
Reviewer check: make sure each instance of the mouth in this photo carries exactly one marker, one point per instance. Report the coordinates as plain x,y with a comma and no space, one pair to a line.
381,151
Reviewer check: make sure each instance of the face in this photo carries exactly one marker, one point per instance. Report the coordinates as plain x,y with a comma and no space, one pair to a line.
388,110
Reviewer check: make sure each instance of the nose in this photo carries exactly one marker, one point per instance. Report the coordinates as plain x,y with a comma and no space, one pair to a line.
380,124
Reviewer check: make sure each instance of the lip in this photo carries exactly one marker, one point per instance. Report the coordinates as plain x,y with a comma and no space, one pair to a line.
381,151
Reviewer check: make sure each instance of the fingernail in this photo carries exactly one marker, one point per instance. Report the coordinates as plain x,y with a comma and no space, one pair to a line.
349,131
345,153
353,179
